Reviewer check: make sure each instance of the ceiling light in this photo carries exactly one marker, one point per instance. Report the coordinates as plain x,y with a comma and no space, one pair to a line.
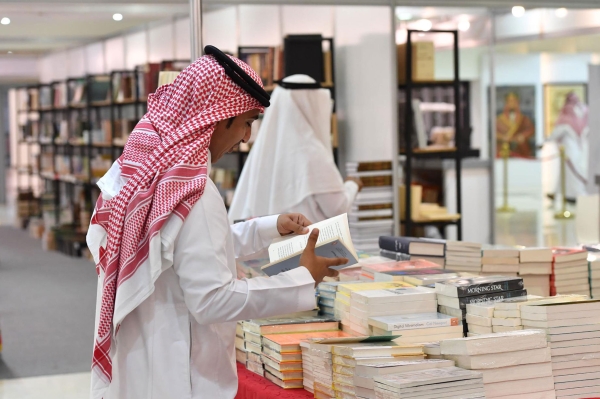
561,12
5,21
9,52
404,16
464,25
424,25
118,17
518,11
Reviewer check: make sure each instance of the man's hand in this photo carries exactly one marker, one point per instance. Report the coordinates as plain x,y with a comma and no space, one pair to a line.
357,181
292,223
317,265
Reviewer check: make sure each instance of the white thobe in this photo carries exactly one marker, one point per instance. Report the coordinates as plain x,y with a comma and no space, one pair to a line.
180,342
576,151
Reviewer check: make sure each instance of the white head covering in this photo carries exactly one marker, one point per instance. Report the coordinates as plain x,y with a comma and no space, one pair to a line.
292,157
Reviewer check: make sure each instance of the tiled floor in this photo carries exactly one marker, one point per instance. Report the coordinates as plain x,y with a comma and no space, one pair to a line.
66,386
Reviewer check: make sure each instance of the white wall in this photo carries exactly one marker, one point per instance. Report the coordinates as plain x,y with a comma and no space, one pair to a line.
114,53
161,43
363,82
221,29
94,58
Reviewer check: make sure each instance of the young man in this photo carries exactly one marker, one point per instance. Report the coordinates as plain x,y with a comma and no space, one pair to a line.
168,298
291,166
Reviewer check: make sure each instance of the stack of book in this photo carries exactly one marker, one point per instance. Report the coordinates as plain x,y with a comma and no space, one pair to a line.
319,377
254,330
488,318
499,260
389,302
594,271
414,248
326,298
369,271
346,358
570,273
417,328
342,298
282,356
573,330
454,295
513,364
445,382
463,256
535,268
372,212
240,348
364,374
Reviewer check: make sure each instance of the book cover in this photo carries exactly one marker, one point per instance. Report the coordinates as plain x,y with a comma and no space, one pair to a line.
562,255
290,323
348,288
413,321
535,255
395,295
462,287
462,302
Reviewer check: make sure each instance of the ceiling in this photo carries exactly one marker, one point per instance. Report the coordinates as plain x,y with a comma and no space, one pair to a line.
39,26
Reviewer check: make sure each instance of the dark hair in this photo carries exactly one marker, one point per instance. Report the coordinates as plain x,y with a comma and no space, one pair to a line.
230,122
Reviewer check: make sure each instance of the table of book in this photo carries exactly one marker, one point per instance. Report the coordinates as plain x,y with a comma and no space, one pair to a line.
253,386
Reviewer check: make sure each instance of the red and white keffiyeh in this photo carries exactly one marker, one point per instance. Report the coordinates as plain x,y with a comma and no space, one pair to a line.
165,165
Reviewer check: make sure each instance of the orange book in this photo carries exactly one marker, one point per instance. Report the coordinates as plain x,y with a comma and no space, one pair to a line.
285,343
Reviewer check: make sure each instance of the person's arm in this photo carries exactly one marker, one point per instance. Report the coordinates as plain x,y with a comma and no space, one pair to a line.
211,292
254,235
333,204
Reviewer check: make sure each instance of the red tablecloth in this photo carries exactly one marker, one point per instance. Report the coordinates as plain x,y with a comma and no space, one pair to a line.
253,386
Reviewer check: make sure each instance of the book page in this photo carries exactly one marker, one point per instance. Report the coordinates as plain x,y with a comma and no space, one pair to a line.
336,227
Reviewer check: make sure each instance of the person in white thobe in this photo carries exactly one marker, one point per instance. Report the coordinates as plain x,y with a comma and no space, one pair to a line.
172,330
291,166
571,130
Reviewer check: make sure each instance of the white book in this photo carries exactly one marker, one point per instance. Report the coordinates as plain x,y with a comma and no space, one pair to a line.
575,370
571,271
535,268
508,322
463,260
594,376
549,394
451,311
499,329
477,329
560,386
559,323
572,329
496,343
252,337
574,336
334,241
397,295
507,313
575,363
365,311
535,255
463,246
396,367
466,389
499,261
478,320
413,321
519,372
481,309
505,359
567,307
578,392
427,377
575,356
523,387
368,361
527,314
517,303
419,332
575,349
429,338
500,269
375,349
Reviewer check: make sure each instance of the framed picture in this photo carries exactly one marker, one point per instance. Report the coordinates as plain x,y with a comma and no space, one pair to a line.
555,97
515,120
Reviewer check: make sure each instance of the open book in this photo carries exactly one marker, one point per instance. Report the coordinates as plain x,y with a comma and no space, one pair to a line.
334,242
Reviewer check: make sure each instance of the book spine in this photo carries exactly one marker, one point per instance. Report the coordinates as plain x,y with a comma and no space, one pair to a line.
490,288
412,325
490,298
394,244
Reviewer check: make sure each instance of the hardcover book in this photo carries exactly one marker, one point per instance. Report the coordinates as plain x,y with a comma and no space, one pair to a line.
413,245
462,302
462,287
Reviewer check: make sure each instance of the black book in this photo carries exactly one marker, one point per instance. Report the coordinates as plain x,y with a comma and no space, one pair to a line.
413,245
462,302
461,287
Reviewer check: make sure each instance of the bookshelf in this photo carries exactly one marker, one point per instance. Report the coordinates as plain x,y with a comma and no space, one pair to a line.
447,104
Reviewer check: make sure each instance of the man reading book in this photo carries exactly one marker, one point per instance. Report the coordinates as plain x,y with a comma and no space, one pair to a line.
168,297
